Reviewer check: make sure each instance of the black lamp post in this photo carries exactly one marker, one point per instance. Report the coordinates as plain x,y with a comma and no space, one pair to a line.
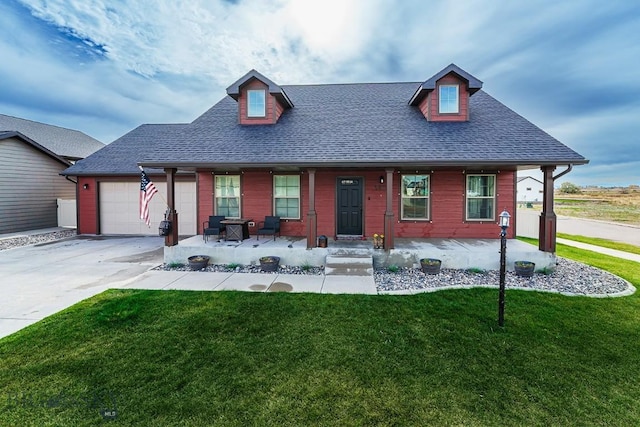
504,224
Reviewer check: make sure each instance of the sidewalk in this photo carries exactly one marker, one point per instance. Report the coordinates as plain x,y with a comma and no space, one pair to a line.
600,249
254,282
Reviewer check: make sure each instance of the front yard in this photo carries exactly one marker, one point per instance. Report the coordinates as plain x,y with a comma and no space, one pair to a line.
230,358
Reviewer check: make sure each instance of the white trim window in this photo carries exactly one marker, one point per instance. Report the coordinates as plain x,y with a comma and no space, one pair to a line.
256,103
227,195
448,99
286,196
415,197
481,197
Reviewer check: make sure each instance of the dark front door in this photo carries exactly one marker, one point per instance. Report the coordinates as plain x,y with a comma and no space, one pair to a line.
349,206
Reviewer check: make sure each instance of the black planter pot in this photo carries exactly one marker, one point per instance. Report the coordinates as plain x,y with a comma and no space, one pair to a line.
430,265
524,268
269,263
198,262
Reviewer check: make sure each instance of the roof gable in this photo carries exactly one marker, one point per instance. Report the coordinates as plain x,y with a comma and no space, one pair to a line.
473,84
275,90
68,143
31,142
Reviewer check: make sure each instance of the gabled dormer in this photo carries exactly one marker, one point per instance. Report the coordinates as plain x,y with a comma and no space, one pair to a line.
260,101
445,96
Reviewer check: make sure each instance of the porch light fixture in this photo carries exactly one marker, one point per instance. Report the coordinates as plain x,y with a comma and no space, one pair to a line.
381,179
85,186
504,224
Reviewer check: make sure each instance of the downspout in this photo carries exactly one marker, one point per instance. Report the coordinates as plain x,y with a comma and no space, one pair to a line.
561,174
69,179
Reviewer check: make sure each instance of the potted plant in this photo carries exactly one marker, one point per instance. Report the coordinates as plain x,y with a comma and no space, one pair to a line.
430,265
378,241
524,268
198,262
269,263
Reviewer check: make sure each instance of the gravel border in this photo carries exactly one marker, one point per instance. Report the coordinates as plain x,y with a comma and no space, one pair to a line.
34,239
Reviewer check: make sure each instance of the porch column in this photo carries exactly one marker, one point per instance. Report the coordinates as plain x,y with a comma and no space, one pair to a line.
388,214
172,238
312,220
547,232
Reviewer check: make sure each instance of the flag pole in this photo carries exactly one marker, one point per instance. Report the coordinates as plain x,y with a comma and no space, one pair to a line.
158,193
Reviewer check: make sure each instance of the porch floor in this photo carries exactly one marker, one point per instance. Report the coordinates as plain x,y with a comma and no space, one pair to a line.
454,253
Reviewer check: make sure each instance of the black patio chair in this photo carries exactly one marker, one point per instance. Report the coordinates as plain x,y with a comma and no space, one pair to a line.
213,227
270,226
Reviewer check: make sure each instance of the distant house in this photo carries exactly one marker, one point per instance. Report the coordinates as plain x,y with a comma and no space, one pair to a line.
529,190
32,156
431,159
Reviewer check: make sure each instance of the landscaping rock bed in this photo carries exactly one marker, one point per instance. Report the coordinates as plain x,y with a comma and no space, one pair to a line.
221,268
15,242
569,277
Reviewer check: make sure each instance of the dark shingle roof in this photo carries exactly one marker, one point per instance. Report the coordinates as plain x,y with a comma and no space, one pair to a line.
64,142
338,125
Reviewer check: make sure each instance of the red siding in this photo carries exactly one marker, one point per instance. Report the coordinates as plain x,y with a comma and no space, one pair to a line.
273,108
87,205
204,183
463,104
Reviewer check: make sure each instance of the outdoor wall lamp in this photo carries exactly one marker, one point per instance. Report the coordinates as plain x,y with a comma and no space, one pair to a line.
85,186
381,179
504,224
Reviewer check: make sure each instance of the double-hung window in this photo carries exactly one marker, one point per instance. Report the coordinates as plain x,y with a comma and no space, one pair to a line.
256,103
481,197
286,196
227,195
448,99
415,197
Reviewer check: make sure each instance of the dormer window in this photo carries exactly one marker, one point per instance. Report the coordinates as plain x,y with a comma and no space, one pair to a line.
260,101
448,97
256,103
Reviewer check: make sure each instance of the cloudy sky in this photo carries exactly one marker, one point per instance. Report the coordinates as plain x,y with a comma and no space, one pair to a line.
106,66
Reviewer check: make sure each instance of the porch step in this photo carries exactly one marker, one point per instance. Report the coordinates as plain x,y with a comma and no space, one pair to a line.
348,265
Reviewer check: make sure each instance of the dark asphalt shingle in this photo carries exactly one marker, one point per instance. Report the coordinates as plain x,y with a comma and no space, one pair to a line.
341,124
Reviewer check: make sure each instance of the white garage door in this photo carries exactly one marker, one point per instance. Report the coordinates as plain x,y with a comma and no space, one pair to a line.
120,214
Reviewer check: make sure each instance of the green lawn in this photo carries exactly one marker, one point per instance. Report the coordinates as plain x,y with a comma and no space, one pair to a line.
238,359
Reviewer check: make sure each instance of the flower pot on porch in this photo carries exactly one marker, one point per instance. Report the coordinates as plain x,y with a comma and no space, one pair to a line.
378,241
198,262
269,263
430,265
524,268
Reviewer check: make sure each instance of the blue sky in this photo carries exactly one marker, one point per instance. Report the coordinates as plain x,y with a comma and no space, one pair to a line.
106,66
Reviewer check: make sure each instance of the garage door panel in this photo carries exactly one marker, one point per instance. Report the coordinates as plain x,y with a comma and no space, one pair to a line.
119,208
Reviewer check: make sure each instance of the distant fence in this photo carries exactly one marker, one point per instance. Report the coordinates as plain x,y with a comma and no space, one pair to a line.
528,223
67,213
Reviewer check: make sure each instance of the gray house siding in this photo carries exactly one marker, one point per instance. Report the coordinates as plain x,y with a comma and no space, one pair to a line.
29,186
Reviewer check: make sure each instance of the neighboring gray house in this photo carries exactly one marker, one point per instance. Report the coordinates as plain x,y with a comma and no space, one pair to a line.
32,155
529,190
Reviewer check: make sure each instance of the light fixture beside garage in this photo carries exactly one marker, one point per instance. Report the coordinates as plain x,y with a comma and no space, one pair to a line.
85,186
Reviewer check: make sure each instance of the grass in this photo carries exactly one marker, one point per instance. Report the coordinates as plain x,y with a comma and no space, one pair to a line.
625,247
613,204
236,359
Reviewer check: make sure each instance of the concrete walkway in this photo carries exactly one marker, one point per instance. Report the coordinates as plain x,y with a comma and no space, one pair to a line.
600,249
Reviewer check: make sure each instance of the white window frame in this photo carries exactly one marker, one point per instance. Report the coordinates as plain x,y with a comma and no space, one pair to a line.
255,108
287,196
426,195
492,197
220,193
445,108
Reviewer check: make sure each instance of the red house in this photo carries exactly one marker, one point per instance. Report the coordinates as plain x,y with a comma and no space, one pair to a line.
436,159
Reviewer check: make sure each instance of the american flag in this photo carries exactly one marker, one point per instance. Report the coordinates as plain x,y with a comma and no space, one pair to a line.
147,190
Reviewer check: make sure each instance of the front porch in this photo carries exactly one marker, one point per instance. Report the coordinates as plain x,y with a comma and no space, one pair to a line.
454,253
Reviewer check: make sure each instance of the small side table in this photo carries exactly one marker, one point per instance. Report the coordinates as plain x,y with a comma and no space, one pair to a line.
237,229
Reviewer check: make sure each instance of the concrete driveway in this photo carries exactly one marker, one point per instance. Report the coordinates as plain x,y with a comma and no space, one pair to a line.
37,281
